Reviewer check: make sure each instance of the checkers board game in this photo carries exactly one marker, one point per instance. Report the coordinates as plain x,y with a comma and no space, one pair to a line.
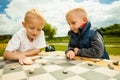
56,67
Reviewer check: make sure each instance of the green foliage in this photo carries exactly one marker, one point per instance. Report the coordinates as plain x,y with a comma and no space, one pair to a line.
5,38
2,48
111,30
49,30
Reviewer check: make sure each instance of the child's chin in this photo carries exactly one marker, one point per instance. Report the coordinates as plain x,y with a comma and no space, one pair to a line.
33,37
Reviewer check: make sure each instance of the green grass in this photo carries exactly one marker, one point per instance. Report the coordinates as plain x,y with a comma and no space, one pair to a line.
59,47
113,51
112,39
110,50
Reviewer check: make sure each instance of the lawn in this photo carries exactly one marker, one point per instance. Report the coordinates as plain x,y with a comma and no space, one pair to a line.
110,50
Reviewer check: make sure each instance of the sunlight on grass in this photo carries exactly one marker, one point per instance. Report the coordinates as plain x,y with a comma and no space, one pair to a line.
113,51
2,48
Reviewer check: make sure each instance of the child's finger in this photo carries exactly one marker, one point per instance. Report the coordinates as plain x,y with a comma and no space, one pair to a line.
28,61
34,58
72,55
21,62
68,55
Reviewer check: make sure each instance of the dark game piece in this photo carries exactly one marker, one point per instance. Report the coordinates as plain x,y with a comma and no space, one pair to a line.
110,67
116,62
89,64
40,57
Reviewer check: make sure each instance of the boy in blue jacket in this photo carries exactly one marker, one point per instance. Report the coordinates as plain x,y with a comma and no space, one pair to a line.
84,41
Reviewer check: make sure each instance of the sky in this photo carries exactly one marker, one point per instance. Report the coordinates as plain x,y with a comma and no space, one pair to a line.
101,13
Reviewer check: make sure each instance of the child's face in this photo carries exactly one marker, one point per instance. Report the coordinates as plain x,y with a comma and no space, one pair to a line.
75,22
33,27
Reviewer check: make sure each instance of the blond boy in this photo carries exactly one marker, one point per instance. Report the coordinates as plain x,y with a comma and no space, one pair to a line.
84,41
27,41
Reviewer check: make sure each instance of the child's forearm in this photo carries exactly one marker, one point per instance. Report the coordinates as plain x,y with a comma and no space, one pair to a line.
32,52
13,55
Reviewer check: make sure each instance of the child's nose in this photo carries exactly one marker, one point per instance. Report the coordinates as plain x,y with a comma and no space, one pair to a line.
35,31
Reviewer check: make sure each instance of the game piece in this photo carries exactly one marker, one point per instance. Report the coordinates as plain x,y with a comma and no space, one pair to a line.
115,62
58,55
89,64
43,63
110,67
31,71
1,66
95,60
12,68
81,58
40,57
65,71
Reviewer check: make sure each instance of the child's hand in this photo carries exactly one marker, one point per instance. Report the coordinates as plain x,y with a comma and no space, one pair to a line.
24,60
21,58
28,61
70,54
76,50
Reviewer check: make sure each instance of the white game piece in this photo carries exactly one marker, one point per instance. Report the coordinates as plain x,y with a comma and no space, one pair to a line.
12,68
43,63
65,71
32,70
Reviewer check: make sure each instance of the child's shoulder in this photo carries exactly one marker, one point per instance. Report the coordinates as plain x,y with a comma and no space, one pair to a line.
42,32
21,32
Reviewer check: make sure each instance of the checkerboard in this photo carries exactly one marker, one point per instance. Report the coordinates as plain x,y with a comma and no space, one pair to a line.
53,70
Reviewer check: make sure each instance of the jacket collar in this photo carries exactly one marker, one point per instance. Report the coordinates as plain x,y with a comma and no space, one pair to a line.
81,30
86,28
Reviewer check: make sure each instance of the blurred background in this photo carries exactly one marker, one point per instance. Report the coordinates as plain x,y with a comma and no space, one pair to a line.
103,14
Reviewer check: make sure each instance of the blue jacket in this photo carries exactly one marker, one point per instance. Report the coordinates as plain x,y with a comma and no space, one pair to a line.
89,41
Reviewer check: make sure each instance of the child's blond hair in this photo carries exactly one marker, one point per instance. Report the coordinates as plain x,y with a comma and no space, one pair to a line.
34,13
80,12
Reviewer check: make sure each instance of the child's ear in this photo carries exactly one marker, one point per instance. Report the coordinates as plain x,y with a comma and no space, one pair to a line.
23,23
85,19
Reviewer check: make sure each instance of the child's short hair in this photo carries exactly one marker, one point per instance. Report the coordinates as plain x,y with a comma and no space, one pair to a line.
78,11
34,13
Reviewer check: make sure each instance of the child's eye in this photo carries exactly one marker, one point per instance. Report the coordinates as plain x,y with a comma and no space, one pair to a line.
39,29
73,22
31,27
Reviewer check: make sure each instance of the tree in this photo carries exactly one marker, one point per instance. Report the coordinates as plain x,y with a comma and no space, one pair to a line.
49,30
111,30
